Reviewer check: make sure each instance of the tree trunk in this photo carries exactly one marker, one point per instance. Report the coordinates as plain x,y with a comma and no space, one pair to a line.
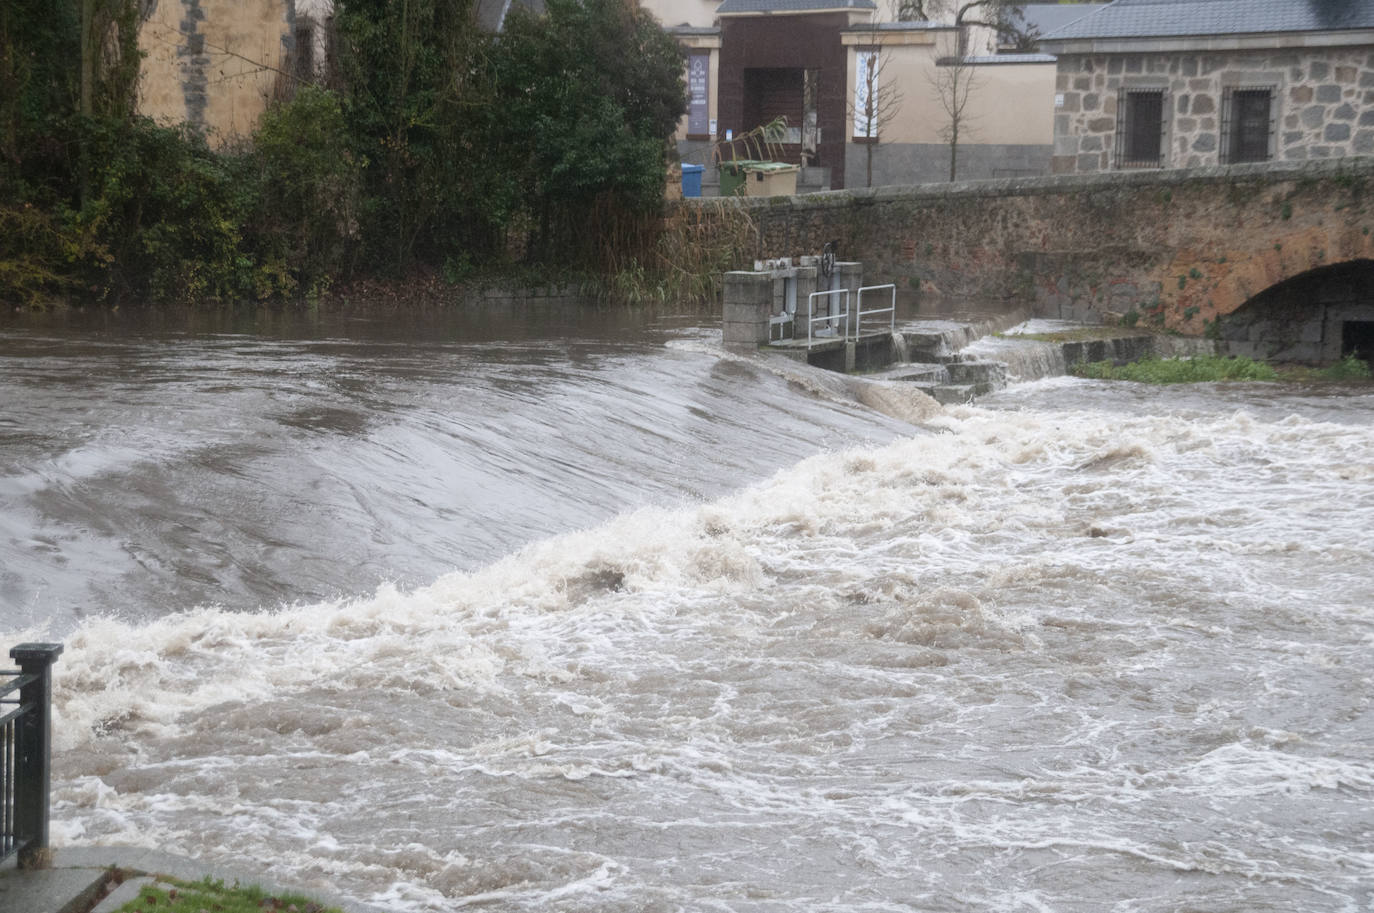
953,148
88,51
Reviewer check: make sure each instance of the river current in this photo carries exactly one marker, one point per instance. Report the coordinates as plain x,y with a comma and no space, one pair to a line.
572,611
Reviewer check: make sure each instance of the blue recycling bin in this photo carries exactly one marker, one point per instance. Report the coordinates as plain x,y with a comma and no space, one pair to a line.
691,179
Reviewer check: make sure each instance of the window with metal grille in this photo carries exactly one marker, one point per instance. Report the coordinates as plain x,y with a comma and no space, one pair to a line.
1247,124
1140,129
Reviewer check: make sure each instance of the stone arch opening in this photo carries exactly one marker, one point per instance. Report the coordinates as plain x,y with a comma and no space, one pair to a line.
1314,318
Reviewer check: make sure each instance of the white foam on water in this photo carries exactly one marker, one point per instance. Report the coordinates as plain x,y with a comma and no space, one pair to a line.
1033,660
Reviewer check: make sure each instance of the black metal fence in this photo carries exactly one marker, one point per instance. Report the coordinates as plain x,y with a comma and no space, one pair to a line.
25,740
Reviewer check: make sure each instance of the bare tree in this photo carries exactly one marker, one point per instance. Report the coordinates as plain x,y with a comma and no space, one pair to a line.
876,101
954,80
1006,18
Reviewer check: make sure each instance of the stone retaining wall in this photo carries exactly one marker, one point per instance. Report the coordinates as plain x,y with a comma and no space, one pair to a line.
1175,248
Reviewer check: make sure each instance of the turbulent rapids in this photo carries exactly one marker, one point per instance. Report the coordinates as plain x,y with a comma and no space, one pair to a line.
633,626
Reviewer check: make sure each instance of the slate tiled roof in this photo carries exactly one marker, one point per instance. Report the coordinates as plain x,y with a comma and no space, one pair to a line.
1050,16
1170,18
737,7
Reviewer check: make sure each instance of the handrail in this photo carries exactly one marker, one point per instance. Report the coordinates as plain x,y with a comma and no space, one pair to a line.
890,309
843,315
25,754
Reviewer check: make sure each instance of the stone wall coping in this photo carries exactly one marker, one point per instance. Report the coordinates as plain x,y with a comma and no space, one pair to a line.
1263,172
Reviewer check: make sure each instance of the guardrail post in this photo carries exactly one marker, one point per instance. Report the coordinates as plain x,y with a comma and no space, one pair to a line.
33,775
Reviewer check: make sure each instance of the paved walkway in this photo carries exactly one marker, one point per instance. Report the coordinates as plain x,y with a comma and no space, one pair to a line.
77,878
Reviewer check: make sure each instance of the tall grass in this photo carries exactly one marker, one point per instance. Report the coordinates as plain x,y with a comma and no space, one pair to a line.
691,247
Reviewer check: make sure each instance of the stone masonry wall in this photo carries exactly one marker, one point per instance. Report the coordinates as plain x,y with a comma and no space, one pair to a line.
1176,248
1324,98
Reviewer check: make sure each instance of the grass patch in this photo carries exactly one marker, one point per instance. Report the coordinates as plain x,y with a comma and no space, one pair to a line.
172,895
1203,369
1349,368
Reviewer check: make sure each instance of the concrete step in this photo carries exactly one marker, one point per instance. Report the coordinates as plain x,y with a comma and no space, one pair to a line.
57,890
947,394
984,376
914,372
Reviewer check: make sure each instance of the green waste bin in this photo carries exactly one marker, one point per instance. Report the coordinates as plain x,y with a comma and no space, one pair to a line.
732,177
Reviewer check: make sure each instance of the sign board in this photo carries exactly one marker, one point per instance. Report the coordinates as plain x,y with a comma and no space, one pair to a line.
698,94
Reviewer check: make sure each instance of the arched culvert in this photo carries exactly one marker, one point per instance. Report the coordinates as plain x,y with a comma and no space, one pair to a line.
1313,318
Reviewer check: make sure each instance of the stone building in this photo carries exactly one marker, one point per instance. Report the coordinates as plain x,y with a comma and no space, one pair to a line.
217,64
1182,83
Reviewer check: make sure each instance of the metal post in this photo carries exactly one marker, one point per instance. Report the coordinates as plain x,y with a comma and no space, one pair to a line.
33,775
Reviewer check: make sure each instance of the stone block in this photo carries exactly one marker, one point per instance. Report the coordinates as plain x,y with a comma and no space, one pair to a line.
1346,75
1336,133
1091,144
1300,94
1185,124
1344,112
1082,83
1328,94
1313,116
1102,125
1092,101
1367,118
1071,103
1363,143
1115,65
1182,102
1293,137
1063,164
1319,70
1367,79
1135,64
1188,66
1204,104
1206,142
1088,162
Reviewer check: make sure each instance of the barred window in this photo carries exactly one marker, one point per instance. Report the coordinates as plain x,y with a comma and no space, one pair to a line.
1247,124
1140,128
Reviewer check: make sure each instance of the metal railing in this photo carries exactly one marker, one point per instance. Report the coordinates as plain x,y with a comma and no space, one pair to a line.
890,310
25,753
830,316
782,323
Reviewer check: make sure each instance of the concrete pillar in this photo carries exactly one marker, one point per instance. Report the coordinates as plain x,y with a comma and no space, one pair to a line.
748,303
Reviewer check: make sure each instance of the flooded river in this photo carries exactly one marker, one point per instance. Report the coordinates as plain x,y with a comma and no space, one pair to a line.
571,611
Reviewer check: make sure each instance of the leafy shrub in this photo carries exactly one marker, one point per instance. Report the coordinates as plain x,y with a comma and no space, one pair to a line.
303,216
163,211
